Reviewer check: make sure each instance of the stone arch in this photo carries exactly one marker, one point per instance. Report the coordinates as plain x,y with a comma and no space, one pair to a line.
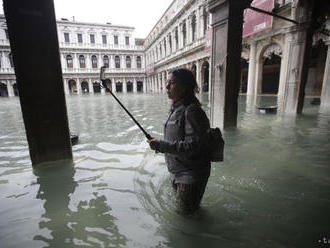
205,72
269,68
139,86
73,86
96,87
84,87
3,89
119,86
129,86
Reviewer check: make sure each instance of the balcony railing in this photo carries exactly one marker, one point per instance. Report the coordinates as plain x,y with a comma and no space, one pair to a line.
100,46
108,70
4,43
7,71
182,50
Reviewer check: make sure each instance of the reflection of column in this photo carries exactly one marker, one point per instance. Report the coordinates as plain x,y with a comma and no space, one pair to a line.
134,85
90,86
124,86
113,85
10,89
325,96
153,83
252,69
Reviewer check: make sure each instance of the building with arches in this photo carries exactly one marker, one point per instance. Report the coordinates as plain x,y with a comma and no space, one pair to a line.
84,48
182,38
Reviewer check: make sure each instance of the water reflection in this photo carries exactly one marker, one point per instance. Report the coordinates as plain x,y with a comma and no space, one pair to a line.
88,223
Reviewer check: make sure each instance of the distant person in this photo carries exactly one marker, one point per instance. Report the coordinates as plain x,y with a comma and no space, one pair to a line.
184,141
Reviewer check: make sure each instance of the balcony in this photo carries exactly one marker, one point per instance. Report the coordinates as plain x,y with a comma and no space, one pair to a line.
108,70
100,46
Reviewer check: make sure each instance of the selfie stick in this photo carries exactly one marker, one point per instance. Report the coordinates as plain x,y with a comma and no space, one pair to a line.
104,84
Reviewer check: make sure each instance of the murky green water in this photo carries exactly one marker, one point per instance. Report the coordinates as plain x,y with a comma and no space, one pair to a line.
273,190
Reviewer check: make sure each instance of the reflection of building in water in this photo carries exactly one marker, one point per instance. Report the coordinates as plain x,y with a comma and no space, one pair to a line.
180,38
86,223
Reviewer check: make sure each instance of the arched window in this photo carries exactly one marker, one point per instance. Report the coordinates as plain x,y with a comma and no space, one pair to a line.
10,56
128,62
69,61
138,62
106,61
82,61
117,61
94,61
193,27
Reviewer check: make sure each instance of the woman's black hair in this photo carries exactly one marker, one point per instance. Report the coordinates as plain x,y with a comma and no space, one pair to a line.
187,80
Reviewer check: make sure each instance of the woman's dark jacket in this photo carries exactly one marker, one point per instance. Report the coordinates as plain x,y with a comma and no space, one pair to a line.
185,143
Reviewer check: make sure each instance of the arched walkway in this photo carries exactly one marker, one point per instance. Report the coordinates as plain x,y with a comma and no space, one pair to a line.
119,87
129,86
84,87
73,86
271,74
96,87
205,76
244,75
139,86
3,89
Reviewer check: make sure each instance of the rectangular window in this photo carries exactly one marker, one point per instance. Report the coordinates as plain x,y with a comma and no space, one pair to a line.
66,37
92,38
115,38
80,40
127,40
104,39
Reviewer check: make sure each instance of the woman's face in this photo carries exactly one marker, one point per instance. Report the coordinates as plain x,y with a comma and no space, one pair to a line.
174,90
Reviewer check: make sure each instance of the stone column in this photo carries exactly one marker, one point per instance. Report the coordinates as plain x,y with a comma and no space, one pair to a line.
252,70
75,61
88,62
296,50
111,61
122,61
90,86
10,89
199,76
100,60
227,23
144,85
113,85
78,86
325,95
124,85
188,30
134,85
66,86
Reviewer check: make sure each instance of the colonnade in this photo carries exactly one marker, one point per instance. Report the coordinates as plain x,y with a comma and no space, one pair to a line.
156,82
74,85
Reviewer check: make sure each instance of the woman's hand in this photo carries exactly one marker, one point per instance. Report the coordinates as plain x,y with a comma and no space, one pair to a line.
154,144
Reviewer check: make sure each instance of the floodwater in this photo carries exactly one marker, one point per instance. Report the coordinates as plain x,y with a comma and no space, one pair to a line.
272,190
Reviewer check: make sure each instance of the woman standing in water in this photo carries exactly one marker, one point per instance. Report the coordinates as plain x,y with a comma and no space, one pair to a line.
184,142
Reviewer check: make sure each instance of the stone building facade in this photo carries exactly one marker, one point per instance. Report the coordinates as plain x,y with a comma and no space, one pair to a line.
181,38
84,48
